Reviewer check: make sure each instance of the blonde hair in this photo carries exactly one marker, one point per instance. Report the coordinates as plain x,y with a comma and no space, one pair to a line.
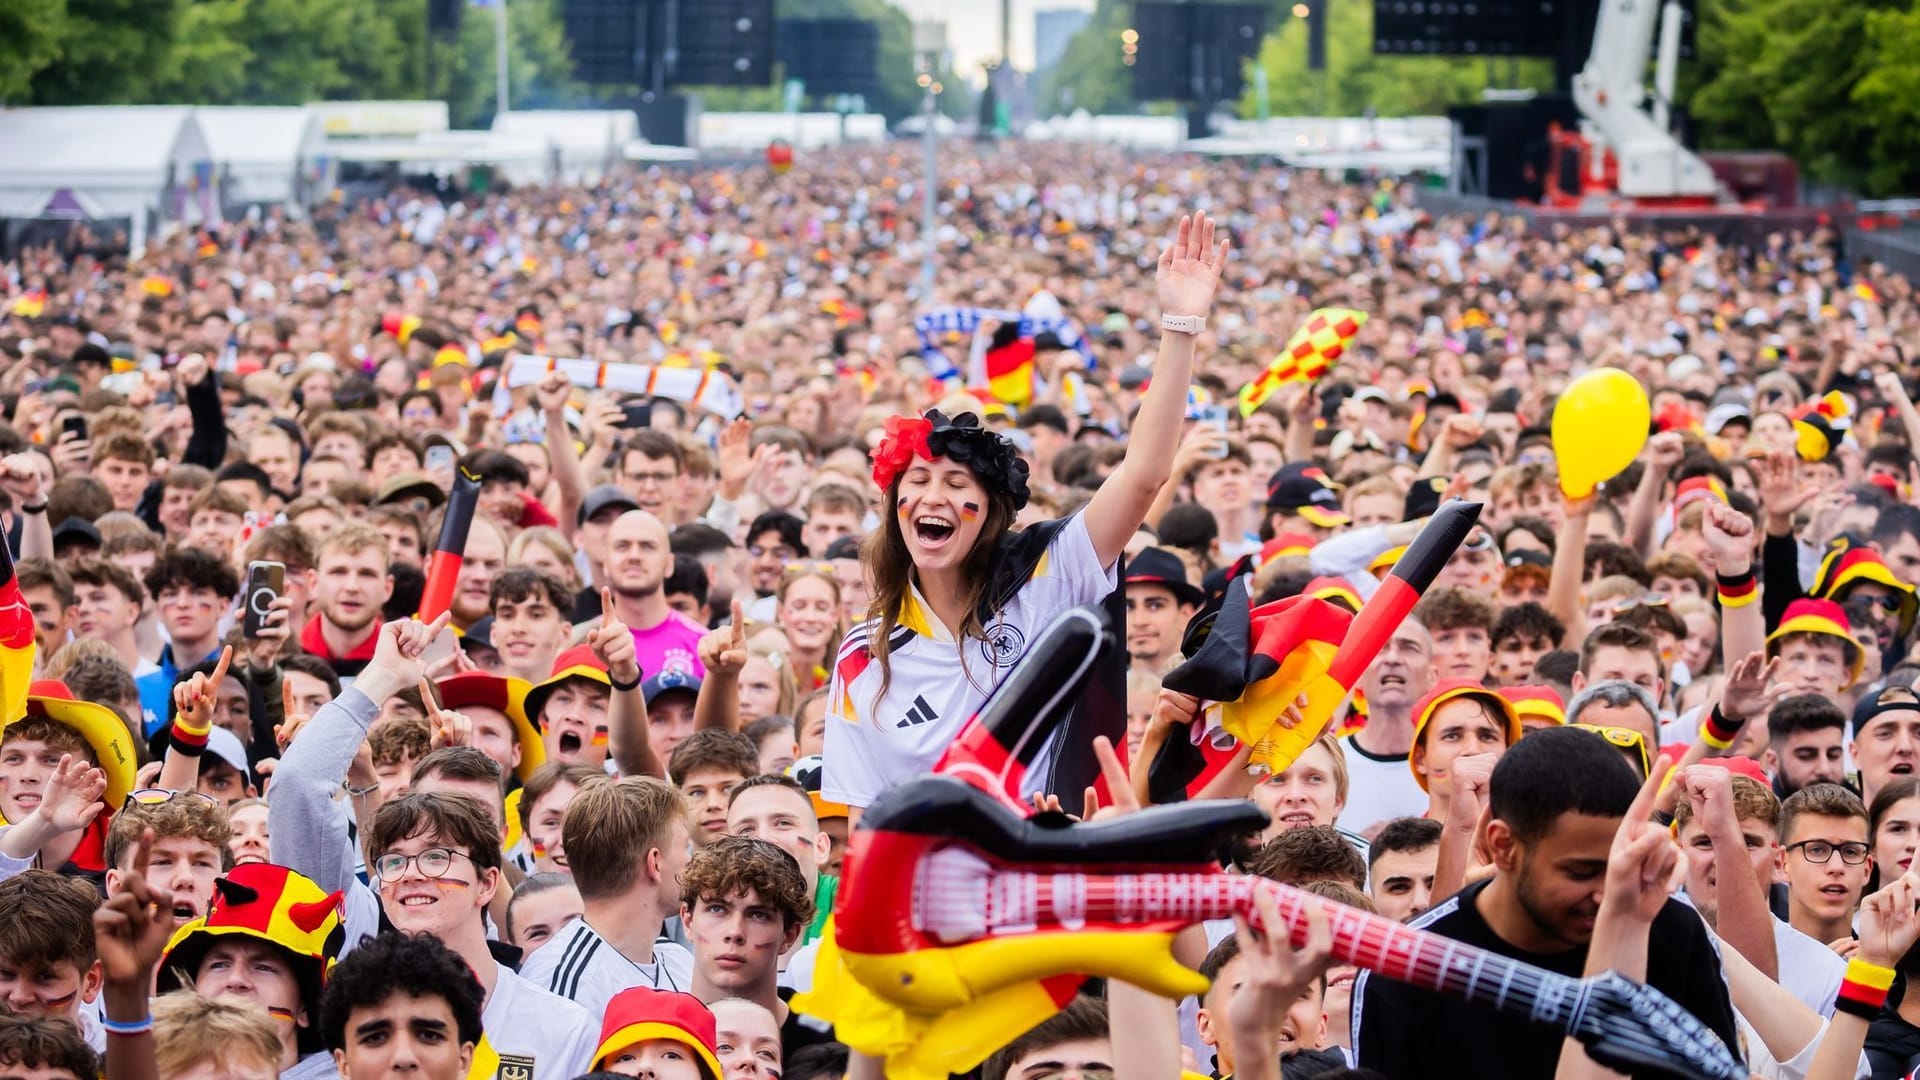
550,538
190,1030
73,652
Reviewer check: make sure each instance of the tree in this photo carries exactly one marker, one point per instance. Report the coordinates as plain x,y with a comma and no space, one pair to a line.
539,64
31,33
109,51
1090,74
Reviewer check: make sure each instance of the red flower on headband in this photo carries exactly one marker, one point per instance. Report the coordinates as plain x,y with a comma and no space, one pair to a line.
906,438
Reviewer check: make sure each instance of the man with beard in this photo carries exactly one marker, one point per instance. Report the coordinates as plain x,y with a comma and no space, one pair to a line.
638,560
352,583
1380,785
1555,802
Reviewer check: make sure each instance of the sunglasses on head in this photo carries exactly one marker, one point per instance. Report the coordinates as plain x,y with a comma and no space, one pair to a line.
155,796
1625,739
1651,600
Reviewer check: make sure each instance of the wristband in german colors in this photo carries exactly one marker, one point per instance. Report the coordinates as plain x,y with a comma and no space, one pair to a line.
189,740
1717,731
1738,591
1863,989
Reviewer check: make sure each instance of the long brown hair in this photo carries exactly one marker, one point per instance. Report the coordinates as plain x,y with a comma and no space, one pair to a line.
890,565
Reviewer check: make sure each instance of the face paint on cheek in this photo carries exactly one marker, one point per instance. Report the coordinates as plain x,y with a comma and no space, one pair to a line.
279,1013
539,850
969,511
600,737
447,885
56,1004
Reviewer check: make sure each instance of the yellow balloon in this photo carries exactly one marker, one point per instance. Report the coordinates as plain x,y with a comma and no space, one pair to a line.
1599,426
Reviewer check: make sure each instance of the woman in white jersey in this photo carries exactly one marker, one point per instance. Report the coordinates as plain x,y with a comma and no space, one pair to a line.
957,595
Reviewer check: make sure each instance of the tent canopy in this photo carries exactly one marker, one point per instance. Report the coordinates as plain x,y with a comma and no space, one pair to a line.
108,160
262,150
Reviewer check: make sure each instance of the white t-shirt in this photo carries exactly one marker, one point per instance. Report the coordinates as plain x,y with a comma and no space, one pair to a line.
938,683
1378,789
1808,968
532,1035
580,965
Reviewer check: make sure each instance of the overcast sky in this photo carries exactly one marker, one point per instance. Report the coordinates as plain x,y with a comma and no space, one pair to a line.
973,27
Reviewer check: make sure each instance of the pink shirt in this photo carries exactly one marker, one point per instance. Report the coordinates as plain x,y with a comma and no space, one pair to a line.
673,645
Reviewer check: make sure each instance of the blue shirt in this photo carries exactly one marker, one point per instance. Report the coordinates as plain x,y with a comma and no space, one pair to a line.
156,689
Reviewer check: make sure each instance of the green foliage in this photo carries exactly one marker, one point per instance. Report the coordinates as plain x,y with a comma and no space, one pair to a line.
1830,84
1092,76
1355,78
30,39
107,51
538,61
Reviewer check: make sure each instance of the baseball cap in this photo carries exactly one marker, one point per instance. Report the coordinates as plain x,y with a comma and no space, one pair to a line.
1889,700
479,635
1156,566
1727,412
1423,498
667,682
1530,557
602,498
1303,488
226,746
1371,393
75,530
407,486
847,547
642,1013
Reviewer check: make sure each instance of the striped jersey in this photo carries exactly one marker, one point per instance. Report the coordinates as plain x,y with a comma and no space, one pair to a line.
938,682
580,965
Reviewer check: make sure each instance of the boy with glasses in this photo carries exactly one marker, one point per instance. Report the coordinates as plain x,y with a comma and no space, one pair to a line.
1826,858
436,860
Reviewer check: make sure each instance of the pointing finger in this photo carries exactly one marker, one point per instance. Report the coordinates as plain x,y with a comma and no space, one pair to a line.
433,707
220,669
739,622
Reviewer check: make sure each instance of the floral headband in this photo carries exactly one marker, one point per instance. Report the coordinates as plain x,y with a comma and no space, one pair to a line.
959,439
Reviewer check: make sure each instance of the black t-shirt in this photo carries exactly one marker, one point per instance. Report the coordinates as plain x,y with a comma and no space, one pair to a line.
1892,1046
1410,1033
799,1031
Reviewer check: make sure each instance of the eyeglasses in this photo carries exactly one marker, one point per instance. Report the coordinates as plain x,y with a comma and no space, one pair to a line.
154,796
1651,600
1853,852
433,862
782,552
1625,739
1075,1072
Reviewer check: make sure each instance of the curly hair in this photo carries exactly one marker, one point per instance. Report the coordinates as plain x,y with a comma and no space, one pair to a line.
396,964
1314,853
736,865
35,1042
185,814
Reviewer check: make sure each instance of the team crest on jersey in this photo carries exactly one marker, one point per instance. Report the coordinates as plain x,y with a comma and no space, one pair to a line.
1005,644
514,1067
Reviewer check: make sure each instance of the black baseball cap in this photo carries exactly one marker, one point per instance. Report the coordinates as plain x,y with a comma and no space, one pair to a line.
1304,488
602,498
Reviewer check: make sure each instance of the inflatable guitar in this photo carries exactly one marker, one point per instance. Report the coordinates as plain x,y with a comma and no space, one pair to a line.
952,899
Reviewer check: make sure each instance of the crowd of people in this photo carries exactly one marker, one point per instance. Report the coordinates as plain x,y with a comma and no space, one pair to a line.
271,809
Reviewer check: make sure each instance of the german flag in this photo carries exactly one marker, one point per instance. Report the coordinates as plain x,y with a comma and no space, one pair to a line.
400,326
31,304
1009,366
444,569
16,641
1256,662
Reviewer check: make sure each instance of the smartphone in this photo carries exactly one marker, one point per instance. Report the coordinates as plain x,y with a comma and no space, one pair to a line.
439,456
76,424
1216,417
265,581
636,415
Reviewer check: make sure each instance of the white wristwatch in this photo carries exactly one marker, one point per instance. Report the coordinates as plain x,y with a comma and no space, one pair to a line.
1183,324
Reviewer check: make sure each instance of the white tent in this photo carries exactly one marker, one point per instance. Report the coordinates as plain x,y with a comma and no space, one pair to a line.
582,142
107,161
268,154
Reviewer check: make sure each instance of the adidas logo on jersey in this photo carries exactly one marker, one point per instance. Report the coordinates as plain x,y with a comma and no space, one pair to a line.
921,713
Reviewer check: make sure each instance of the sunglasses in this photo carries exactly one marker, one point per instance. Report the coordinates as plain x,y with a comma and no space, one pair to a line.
810,566
1886,604
1651,600
154,796
1625,739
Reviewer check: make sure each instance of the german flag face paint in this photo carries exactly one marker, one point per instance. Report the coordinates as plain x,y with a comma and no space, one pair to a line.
969,511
